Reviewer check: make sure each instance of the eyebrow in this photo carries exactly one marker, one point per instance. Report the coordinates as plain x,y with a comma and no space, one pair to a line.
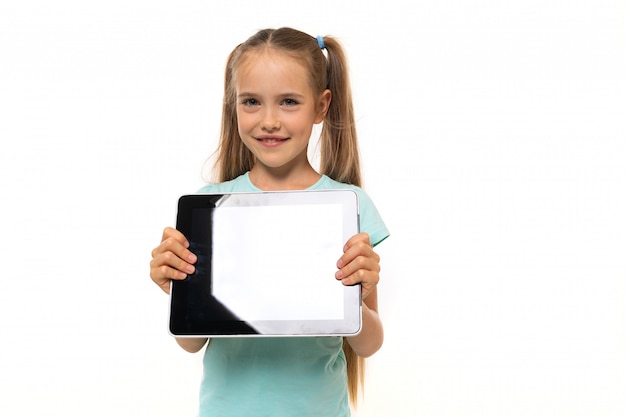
283,95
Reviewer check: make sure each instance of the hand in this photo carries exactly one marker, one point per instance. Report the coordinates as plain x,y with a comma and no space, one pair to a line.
171,259
359,264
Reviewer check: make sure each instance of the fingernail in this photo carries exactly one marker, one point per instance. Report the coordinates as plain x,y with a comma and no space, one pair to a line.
192,258
338,274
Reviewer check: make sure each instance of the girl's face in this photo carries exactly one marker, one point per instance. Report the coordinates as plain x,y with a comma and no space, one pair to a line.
276,110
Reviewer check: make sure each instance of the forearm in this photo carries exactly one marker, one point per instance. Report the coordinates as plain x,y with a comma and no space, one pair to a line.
191,345
370,339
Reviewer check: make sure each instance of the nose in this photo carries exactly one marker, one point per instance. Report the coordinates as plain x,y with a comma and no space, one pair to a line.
270,121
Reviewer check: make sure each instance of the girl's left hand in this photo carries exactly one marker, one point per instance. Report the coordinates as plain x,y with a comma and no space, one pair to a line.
359,264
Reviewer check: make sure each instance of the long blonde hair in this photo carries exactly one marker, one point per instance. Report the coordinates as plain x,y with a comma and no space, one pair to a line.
339,154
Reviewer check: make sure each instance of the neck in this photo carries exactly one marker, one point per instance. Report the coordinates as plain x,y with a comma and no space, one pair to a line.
278,179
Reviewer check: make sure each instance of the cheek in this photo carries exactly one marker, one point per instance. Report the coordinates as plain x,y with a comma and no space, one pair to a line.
242,131
243,121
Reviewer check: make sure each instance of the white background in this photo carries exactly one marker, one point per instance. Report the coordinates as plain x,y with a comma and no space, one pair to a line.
493,136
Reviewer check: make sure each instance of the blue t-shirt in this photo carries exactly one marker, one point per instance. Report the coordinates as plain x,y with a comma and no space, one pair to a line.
282,376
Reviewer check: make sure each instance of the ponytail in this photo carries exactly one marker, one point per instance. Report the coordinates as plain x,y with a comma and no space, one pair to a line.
339,151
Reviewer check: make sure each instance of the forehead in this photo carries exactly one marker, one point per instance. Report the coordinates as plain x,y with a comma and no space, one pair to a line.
273,67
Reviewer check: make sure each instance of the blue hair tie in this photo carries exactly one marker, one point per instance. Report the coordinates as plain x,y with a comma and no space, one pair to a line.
320,42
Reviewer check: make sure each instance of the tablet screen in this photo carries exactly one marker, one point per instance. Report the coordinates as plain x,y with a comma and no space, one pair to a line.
266,264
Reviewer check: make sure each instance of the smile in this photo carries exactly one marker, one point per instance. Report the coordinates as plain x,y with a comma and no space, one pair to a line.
271,140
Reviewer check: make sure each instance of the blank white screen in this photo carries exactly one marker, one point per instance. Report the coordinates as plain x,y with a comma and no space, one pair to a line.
278,263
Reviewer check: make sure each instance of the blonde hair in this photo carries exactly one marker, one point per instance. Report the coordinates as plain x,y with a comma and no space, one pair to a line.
339,154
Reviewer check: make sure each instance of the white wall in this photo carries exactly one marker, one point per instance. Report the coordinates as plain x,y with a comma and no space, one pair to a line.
494,143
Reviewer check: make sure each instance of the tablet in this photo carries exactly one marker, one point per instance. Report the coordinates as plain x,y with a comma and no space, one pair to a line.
266,265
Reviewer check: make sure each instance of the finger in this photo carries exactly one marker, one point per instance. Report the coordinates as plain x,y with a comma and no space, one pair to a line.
360,270
169,262
171,233
359,263
367,279
159,277
177,245
163,283
165,272
356,249
362,237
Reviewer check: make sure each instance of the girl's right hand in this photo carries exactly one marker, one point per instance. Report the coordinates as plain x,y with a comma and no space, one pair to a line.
171,259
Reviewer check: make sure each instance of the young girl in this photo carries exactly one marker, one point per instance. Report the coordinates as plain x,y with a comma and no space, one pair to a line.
278,84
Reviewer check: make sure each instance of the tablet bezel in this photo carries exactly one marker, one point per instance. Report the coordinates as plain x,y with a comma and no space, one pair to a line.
188,319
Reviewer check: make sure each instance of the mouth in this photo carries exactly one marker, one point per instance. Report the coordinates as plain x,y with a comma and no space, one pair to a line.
271,140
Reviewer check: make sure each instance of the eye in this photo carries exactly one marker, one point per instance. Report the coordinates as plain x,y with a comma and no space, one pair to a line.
289,102
250,102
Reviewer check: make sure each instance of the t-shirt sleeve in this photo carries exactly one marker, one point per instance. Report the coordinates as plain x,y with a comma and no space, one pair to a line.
370,220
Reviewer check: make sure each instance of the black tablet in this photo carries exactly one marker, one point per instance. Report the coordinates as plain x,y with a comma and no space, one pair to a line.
266,265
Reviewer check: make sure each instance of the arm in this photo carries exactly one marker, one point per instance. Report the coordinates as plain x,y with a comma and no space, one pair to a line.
191,345
370,339
360,264
173,260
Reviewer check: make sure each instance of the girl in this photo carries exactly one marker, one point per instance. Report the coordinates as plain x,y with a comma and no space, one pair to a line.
278,84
